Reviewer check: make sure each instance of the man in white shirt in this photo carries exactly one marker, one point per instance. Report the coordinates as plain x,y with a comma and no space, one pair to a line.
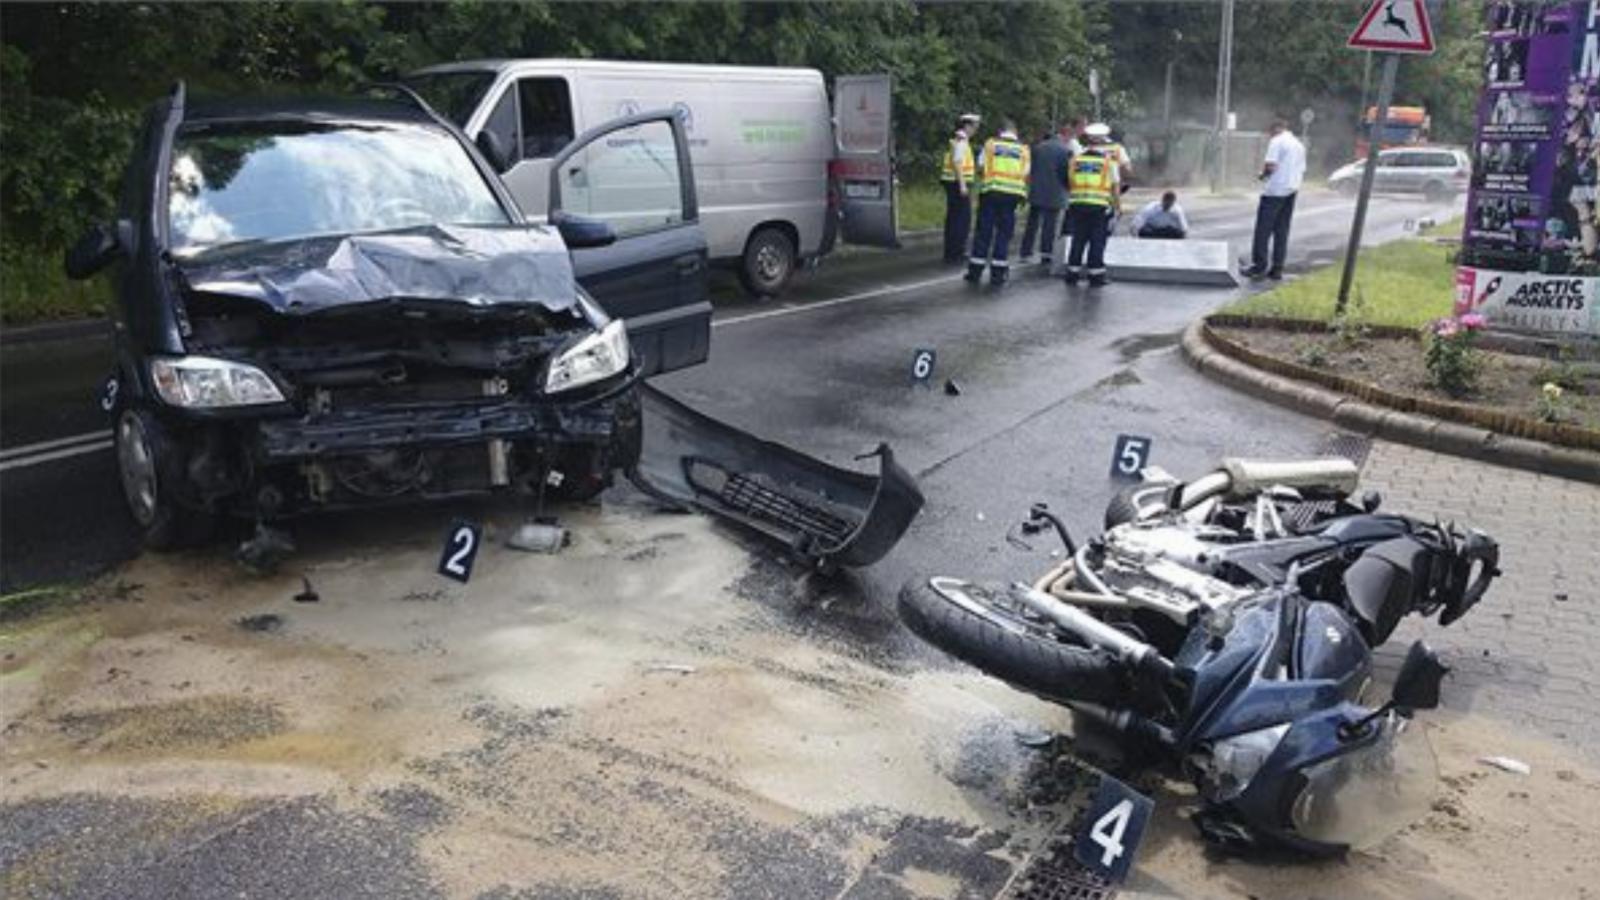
1281,173
1162,218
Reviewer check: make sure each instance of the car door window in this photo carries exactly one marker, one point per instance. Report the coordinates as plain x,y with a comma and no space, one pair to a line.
630,178
546,116
503,121
1441,161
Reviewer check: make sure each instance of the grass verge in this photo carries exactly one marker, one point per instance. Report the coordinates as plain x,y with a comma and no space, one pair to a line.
921,205
33,288
1407,283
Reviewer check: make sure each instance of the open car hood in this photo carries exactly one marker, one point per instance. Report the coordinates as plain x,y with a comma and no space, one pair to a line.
827,515
477,266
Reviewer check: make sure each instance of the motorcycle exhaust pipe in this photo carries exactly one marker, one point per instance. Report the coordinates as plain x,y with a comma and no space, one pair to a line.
1133,651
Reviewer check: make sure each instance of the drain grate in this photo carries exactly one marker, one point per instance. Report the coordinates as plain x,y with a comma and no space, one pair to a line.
1353,447
1054,873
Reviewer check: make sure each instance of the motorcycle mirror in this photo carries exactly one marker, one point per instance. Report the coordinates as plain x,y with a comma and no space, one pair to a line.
1417,686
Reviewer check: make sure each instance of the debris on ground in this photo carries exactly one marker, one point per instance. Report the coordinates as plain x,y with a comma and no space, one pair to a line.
951,388
677,668
265,550
539,537
264,623
308,595
1507,764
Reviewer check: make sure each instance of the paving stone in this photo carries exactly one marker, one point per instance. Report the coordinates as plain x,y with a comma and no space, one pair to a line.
1541,666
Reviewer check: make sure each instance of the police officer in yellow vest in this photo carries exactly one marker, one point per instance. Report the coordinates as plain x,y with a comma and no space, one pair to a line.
1002,184
1093,182
957,174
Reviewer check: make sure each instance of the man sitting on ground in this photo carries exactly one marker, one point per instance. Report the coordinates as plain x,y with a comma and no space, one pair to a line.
1162,218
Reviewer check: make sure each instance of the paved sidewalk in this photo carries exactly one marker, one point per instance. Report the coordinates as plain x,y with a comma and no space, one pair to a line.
1529,654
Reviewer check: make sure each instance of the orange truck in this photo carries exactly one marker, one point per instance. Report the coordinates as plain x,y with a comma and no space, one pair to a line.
1405,125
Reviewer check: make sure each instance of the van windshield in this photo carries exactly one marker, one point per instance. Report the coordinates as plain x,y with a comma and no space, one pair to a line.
279,180
453,95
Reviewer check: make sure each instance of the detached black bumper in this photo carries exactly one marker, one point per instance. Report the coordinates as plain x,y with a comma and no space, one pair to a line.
828,516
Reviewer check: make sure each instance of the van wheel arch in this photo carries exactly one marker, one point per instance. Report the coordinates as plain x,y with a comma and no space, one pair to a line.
771,255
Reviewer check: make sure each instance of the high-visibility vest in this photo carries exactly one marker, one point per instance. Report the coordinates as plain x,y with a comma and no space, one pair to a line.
968,168
1090,179
1005,167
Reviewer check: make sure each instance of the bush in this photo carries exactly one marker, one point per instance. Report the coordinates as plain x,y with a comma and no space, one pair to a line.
1452,362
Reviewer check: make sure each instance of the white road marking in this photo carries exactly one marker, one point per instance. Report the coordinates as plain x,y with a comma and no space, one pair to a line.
41,446
837,301
53,455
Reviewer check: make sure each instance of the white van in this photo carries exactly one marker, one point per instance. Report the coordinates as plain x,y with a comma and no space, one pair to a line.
775,179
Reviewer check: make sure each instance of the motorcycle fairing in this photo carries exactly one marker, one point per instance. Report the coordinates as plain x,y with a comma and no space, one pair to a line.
827,515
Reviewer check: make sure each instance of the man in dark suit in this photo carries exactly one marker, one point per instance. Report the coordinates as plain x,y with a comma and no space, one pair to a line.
1047,195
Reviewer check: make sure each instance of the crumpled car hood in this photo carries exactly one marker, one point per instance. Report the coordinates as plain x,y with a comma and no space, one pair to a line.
479,266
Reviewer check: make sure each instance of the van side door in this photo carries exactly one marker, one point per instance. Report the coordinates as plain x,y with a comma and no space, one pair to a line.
634,174
863,164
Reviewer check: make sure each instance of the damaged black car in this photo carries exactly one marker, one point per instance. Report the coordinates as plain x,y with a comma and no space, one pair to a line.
328,304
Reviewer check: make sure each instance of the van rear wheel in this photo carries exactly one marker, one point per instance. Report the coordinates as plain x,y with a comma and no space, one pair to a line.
768,262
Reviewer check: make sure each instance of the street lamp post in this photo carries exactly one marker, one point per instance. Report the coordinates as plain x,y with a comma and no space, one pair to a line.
1224,95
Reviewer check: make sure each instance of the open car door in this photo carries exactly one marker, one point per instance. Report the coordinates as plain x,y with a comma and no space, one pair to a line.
634,174
863,166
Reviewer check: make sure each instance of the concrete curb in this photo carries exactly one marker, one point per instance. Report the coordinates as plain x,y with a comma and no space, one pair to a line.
1440,435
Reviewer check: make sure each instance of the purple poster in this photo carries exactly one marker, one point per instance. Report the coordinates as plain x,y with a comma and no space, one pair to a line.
1533,200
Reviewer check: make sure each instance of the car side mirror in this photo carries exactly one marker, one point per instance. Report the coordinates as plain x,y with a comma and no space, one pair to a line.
1417,686
581,232
493,149
95,250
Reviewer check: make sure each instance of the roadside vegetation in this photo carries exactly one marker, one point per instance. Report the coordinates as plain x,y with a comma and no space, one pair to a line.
921,205
1406,283
1409,284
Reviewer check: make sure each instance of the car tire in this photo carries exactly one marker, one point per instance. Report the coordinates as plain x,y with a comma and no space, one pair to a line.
147,469
769,260
1434,192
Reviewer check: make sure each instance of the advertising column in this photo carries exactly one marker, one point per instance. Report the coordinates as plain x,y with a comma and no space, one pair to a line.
1530,258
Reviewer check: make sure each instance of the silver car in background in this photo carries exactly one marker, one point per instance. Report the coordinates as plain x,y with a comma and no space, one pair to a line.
1438,173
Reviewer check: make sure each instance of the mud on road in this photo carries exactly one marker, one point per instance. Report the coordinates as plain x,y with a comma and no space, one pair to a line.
661,711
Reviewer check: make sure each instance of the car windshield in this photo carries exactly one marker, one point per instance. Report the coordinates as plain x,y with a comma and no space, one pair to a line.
274,181
453,95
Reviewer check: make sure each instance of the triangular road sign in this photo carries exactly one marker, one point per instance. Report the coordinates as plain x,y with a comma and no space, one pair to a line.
1394,26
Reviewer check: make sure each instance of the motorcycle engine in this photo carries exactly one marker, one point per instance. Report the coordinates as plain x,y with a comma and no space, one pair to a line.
1168,567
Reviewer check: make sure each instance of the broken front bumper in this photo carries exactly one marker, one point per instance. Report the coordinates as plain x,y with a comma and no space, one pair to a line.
827,515
357,431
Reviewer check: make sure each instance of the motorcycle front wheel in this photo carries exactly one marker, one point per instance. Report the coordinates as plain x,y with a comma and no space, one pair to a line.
981,625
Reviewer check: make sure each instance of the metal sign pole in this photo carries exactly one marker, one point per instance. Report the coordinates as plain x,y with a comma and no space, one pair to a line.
1391,62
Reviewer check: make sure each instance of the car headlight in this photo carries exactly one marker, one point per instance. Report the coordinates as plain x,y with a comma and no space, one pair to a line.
1236,760
200,382
595,358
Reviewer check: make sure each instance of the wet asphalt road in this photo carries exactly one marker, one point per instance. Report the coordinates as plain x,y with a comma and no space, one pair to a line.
1049,377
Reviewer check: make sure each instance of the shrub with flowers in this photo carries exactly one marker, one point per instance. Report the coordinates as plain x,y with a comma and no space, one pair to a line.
1551,404
1448,355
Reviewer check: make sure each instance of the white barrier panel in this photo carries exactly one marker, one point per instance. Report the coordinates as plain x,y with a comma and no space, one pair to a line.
1167,262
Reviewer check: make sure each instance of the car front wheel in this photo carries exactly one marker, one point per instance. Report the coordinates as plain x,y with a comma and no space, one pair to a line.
146,467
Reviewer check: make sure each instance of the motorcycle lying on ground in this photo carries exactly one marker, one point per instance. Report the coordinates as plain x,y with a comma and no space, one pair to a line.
1226,625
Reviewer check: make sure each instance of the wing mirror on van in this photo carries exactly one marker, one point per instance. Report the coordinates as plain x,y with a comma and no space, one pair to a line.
581,232
97,248
494,150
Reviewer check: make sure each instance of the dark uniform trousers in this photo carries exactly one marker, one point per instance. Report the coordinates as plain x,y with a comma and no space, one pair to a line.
957,221
991,242
1041,222
1087,223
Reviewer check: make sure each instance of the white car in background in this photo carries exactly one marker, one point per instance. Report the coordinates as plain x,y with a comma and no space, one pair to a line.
1438,173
